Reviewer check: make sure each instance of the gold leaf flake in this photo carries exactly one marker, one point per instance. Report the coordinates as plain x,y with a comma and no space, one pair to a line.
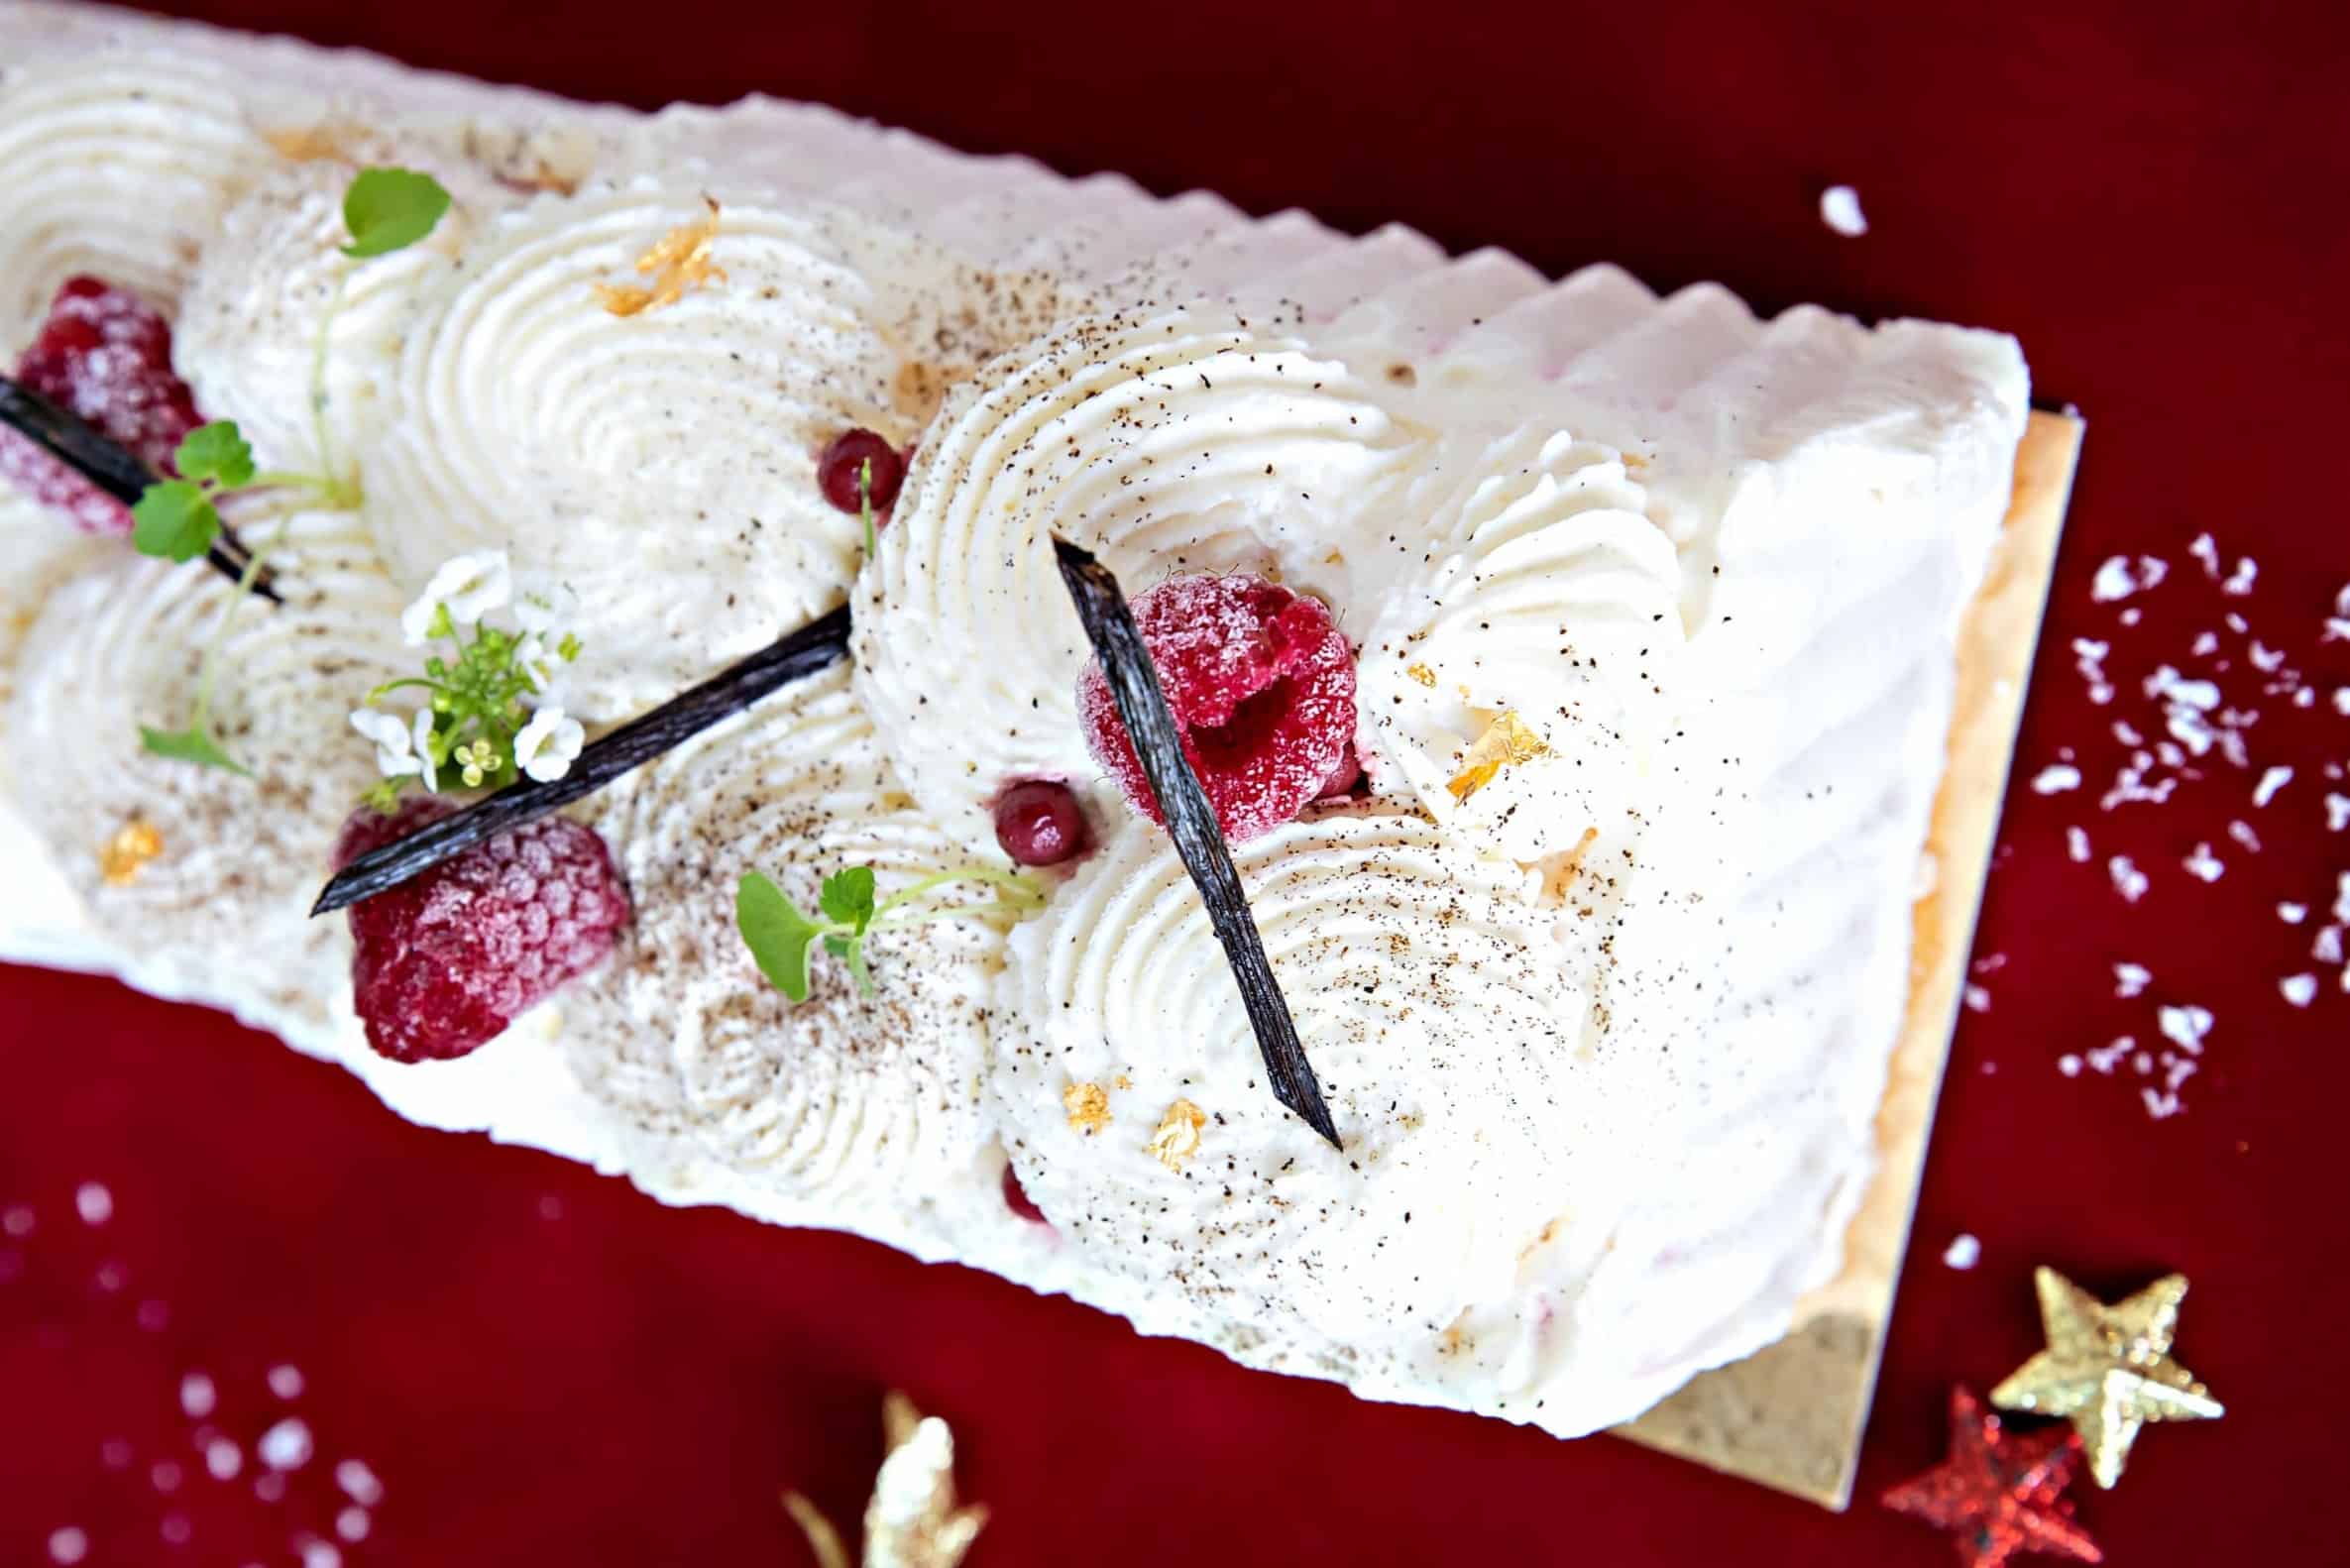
678,261
1506,741
912,1520
1178,1137
1123,1082
125,854
1422,674
1088,1108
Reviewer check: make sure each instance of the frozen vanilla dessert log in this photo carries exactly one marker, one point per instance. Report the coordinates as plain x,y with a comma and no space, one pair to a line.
1653,605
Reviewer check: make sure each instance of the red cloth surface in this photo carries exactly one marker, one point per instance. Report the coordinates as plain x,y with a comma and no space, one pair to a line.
543,1366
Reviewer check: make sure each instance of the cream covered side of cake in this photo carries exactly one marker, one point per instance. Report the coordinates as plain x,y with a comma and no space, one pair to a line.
1603,1033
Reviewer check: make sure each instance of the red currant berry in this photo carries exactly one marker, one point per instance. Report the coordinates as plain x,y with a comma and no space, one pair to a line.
1039,823
844,461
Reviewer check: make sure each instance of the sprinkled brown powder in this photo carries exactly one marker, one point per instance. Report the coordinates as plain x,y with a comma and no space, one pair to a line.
1505,741
1178,1137
127,852
1088,1108
678,261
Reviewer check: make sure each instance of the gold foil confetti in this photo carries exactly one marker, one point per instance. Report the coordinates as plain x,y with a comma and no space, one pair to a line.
1422,674
124,855
1123,1082
1506,741
1088,1108
678,261
2107,1368
912,1520
1178,1137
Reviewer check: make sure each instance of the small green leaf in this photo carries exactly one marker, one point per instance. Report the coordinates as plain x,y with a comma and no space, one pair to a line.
191,744
216,450
389,209
781,940
848,897
174,520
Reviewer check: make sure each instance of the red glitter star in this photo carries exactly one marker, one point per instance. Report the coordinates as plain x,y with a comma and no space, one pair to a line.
1999,1493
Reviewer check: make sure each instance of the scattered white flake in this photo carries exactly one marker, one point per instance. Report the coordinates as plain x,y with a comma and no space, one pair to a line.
286,1445
2089,659
2306,697
93,1203
2128,880
2055,779
351,1524
2299,989
1989,1067
2237,624
2131,979
177,1530
110,1278
166,1475
2076,845
270,1486
320,1554
2266,659
1989,963
153,1316
2129,616
286,1380
2203,550
2343,899
2342,701
2203,865
2242,833
67,1544
2293,914
2184,1026
2240,582
16,1220
2205,644
197,1396
2327,949
2119,579
2270,781
1963,1252
2337,812
359,1482
1978,999
2069,1065
1840,209
223,1459
2160,1106
2106,1057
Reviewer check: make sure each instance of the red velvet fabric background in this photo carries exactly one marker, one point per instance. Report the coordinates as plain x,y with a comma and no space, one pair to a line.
543,1366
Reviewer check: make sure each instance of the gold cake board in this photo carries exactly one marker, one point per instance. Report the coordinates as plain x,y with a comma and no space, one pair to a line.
1791,1414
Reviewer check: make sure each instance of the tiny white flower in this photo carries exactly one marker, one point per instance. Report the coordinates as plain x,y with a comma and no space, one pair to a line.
535,614
422,729
394,758
469,587
538,660
545,747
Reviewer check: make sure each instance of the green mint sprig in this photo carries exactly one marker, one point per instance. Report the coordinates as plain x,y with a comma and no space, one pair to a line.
783,939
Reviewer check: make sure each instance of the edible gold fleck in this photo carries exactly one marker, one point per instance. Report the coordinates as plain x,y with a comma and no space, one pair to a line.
678,261
1178,1137
1422,674
125,855
1505,742
1088,1108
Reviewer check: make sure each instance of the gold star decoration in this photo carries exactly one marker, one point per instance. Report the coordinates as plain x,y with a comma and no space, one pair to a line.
2108,1369
913,1520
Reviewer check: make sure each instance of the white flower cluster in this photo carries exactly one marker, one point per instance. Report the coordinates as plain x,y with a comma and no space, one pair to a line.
466,728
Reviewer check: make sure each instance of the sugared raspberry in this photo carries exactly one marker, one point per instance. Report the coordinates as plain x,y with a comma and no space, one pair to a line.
106,355
1038,823
1016,1199
444,962
1262,683
845,459
1343,779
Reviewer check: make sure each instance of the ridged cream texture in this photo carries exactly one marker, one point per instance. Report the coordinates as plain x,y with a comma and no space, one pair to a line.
843,1099
1612,1030
1163,443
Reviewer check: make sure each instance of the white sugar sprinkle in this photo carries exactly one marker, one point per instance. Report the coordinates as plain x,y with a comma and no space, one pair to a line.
2299,989
355,1478
197,1396
2185,1026
17,1220
2076,845
2203,865
177,1530
286,1380
2131,979
286,1445
1978,999
2342,701
2108,1056
351,1524
1840,209
270,1486
2270,781
2242,833
2240,583
67,1544
2337,812
1963,1252
2203,550
2055,779
93,1203
2128,880
2069,1065
2327,949
223,1459
166,1475
2293,914
320,1554
152,1316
